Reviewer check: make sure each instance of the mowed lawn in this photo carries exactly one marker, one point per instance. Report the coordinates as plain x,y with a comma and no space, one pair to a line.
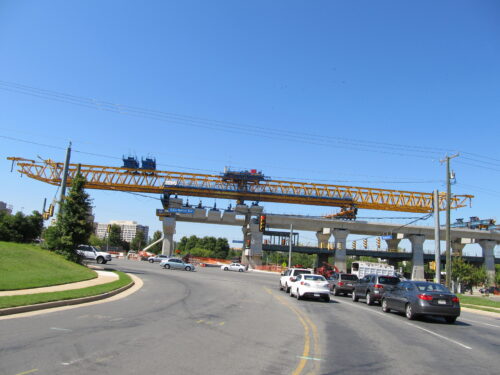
25,266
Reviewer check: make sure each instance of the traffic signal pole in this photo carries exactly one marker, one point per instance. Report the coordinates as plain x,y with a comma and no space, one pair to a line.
64,177
437,238
290,247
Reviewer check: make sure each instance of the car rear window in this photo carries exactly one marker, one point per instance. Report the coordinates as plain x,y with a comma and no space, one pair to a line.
302,272
432,288
388,280
349,277
314,278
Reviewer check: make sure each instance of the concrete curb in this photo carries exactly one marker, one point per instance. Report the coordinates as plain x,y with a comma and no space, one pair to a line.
68,302
480,312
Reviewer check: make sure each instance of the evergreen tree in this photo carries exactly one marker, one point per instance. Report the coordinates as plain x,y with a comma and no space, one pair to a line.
114,234
72,227
156,249
138,241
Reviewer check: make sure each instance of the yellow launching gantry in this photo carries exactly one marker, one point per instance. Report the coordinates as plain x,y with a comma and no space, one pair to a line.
240,186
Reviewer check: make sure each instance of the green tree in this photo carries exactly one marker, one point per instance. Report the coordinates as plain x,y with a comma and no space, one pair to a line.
114,235
20,227
72,226
138,241
96,241
156,248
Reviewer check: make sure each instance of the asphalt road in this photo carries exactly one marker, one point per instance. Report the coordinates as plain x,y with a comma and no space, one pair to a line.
216,322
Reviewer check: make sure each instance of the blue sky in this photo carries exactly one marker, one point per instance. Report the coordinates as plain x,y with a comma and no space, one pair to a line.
380,91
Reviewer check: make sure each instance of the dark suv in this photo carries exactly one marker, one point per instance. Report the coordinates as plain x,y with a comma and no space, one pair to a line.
342,283
372,287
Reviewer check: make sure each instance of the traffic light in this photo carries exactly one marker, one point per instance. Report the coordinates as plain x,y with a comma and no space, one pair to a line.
432,265
262,223
354,245
51,210
378,242
365,243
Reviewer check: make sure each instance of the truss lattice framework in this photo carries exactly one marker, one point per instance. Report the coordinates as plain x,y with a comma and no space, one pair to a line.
205,185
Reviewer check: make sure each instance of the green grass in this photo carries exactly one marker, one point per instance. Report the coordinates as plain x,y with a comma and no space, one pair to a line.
478,301
24,266
32,299
476,307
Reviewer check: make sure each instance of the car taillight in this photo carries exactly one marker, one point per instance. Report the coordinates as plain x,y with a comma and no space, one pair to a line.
455,299
425,297
340,283
378,286
301,283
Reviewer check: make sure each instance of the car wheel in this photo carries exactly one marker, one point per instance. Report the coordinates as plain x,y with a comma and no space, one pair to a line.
298,295
335,291
100,260
226,269
385,308
355,297
409,312
450,319
240,270
187,268
151,261
369,299
287,289
166,266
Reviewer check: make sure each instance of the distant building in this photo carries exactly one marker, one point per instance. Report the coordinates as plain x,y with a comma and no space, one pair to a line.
5,207
128,229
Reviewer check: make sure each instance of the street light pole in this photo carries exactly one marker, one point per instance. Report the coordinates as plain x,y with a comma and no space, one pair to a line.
437,238
448,215
290,247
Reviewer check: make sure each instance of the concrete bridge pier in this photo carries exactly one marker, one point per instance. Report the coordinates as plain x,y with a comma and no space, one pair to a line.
252,254
167,247
417,247
322,244
392,245
457,247
340,236
488,247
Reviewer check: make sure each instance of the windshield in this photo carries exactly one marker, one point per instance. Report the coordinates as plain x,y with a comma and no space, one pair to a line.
301,272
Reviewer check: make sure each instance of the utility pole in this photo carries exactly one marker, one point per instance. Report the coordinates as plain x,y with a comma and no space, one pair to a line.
290,247
448,206
437,238
64,177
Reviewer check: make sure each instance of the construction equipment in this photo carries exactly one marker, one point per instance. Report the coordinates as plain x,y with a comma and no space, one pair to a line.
326,270
239,186
475,223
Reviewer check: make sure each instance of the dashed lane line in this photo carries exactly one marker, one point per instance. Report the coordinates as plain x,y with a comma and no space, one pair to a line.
475,321
411,324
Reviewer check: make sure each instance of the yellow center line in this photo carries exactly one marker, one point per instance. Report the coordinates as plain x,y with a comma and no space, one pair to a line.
305,321
28,372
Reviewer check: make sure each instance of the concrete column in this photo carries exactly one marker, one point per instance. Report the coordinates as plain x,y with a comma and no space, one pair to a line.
488,247
167,247
322,244
417,248
457,247
392,245
252,255
340,236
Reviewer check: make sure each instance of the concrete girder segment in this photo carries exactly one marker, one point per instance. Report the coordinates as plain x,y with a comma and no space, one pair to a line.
488,247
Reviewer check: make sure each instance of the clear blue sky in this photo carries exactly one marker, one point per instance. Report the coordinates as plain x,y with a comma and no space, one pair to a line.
382,91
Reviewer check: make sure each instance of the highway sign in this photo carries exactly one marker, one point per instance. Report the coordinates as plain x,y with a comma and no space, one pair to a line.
181,210
389,237
237,241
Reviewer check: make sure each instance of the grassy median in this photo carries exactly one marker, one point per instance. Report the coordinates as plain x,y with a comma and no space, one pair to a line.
479,303
24,266
33,299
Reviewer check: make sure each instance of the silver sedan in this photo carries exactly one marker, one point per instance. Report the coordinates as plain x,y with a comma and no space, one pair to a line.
175,263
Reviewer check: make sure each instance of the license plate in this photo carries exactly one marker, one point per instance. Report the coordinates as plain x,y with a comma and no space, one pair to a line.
349,284
316,294
441,302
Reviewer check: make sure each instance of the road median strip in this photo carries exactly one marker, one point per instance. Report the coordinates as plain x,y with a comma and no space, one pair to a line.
31,302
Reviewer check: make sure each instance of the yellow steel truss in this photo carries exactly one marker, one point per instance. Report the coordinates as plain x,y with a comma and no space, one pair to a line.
205,185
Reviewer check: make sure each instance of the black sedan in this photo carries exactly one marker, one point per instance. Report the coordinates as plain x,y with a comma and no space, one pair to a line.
416,298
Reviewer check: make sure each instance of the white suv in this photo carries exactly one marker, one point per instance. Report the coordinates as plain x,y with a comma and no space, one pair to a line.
285,282
91,253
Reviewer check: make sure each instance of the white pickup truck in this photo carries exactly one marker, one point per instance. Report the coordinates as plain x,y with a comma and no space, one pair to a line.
285,282
91,253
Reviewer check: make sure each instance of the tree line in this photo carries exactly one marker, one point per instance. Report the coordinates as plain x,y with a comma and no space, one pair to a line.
207,246
20,227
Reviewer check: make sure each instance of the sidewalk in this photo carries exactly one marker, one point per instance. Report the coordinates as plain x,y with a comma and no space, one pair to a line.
103,277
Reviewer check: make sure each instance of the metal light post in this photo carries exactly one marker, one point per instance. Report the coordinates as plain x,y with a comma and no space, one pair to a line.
448,217
64,177
437,238
290,247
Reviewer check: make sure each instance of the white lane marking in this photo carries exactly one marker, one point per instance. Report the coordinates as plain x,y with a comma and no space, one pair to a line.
309,358
61,329
72,362
411,324
475,321
438,335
